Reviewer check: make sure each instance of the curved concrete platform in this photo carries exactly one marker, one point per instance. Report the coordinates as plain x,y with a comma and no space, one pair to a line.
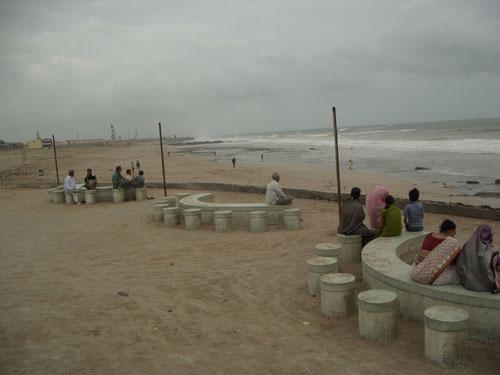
240,211
386,265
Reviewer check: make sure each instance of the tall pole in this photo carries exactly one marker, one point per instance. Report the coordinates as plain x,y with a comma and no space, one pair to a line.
162,162
337,160
55,158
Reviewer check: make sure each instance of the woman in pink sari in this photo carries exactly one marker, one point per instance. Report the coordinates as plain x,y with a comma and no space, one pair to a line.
375,201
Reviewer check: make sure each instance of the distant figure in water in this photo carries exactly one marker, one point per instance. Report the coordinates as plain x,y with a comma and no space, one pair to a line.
274,193
262,158
350,163
233,160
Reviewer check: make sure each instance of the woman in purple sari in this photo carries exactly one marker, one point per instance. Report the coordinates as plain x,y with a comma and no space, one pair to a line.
478,264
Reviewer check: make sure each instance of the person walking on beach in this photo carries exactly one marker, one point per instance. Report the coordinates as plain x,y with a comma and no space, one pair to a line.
233,160
262,158
352,216
274,193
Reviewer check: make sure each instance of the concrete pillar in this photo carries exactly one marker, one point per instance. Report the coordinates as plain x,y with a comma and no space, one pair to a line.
171,216
69,198
291,218
104,193
81,194
330,250
258,221
337,294
351,248
58,196
90,196
118,195
317,267
172,201
158,211
129,193
446,335
140,194
377,313
192,219
223,220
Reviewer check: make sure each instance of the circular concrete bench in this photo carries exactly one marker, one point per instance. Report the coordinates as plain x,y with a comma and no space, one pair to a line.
386,265
240,211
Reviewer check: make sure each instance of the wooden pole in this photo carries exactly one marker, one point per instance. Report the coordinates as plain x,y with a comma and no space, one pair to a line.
162,162
55,157
339,194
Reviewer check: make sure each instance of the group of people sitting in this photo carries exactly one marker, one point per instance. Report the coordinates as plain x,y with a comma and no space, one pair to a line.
128,180
441,260
90,183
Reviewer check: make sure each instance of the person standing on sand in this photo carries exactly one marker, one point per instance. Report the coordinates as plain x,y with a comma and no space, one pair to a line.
352,216
274,193
70,186
233,160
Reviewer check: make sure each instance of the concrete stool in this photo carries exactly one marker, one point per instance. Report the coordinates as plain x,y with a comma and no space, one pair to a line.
317,267
158,211
330,250
140,194
49,196
192,219
222,220
351,248
171,216
69,198
172,201
377,311
446,335
258,221
104,193
90,196
291,218
118,195
58,196
337,294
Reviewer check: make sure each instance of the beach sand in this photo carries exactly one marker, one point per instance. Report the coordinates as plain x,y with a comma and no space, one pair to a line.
188,167
198,302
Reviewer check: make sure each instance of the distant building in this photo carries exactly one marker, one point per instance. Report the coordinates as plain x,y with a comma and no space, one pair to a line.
34,144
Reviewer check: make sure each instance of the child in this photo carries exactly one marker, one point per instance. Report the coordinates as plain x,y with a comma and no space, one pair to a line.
414,212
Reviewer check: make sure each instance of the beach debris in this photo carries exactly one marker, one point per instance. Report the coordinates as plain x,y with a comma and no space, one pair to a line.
305,323
422,168
94,332
472,182
497,182
123,293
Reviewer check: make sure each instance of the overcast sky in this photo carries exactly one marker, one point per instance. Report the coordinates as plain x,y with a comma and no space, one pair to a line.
230,66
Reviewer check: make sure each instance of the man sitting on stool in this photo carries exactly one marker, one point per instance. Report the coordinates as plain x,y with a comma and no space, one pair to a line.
274,194
70,186
352,216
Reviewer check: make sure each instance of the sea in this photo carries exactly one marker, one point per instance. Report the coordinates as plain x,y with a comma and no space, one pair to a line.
464,154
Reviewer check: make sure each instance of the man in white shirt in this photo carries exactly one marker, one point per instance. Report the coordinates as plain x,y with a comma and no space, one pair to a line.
70,186
274,194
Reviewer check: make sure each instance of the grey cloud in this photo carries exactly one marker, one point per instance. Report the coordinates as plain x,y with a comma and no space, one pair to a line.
212,67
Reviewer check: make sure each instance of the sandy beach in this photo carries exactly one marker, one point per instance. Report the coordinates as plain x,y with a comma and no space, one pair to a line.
202,302
188,167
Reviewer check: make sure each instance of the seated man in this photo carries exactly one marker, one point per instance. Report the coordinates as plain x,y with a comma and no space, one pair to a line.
274,194
352,216
139,180
117,178
128,175
90,180
70,186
